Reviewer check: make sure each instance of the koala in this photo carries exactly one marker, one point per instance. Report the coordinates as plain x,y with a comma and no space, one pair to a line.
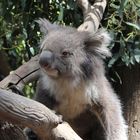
73,82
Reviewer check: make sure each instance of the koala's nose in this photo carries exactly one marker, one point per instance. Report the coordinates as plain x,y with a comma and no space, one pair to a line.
46,58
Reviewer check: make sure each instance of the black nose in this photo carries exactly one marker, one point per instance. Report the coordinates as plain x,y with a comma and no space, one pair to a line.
46,58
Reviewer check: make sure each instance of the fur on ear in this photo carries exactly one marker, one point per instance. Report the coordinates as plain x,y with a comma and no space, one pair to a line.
46,26
98,42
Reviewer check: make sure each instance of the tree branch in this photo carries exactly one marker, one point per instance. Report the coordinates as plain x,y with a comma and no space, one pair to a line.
29,113
92,14
24,74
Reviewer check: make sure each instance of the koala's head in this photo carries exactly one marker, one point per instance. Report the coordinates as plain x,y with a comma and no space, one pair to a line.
68,53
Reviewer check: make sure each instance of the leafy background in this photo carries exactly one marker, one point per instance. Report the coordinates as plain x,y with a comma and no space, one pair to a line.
20,35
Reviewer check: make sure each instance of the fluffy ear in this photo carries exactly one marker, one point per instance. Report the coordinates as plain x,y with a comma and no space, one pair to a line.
97,43
46,26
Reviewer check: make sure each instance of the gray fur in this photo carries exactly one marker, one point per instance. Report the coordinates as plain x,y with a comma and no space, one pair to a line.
73,75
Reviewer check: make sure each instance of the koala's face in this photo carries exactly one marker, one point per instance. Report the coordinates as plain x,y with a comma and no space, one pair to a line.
66,52
62,53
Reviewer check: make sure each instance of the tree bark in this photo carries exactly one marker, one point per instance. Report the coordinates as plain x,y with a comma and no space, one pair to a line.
92,14
5,69
29,113
130,95
26,73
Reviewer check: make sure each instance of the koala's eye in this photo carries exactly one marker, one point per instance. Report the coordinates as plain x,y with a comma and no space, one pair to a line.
66,53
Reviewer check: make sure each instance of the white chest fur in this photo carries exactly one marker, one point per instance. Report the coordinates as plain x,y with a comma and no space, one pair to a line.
73,98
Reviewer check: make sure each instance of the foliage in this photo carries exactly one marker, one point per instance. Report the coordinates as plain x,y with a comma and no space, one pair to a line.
20,36
123,21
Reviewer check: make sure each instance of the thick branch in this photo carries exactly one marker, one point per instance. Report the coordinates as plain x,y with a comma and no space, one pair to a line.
26,73
64,131
92,14
29,113
26,112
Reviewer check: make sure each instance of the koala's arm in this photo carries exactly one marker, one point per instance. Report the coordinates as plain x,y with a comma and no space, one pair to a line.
109,112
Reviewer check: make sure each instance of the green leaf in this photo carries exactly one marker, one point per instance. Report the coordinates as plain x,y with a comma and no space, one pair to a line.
136,26
61,14
113,60
132,60
23,3
137,58
122,6
118,76
137,55
126,59
137,51
114,6
32,50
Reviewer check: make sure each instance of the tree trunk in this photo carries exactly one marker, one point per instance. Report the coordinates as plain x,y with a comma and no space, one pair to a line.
5,69
130,93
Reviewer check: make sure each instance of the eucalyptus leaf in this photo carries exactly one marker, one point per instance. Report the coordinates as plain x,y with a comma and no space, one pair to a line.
113,60
137,51
137,58
61,13
114,6
122,6
132,60
136,26
23,4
